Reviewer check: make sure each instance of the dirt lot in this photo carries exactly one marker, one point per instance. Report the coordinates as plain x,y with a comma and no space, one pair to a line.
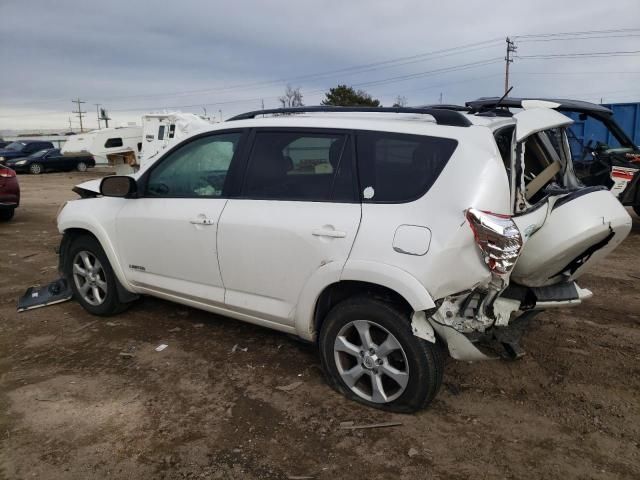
208,406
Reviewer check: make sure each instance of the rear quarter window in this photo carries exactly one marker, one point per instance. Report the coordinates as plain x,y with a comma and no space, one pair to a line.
398,168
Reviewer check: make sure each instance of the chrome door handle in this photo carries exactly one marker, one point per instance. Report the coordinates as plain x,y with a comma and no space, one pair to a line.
202,221
329,233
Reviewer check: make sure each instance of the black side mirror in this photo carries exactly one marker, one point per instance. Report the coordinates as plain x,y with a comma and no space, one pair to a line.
118,186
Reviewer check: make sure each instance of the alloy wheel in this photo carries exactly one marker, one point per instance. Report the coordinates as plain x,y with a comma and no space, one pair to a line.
371,361
89,277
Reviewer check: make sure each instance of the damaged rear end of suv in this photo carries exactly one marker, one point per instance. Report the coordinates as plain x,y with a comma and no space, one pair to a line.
555,231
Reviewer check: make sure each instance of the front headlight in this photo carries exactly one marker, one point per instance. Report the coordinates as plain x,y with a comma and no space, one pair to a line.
1,159
21,162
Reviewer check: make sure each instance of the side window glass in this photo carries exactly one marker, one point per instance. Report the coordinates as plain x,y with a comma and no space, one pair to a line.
299,166
113,143
172,130
197,169
161,132
396,168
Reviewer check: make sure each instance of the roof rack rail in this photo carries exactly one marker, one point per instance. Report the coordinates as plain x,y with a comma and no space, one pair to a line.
442,116
448,106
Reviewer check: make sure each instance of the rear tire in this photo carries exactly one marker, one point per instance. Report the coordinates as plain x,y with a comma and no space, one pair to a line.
91,277
397,371
7,214
81,167
36,168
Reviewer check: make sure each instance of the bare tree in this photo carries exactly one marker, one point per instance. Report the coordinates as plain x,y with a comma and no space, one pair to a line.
401,101
292,97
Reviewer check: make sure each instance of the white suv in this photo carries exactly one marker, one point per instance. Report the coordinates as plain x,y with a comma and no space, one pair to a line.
383,235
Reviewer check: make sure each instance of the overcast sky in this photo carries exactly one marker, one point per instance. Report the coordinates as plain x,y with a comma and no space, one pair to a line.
138,56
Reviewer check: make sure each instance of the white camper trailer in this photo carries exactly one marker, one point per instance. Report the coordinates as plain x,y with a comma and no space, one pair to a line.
118,147
161,130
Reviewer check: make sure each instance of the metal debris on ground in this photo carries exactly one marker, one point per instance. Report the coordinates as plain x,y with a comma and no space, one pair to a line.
288,388
55,292
350,425
126,355
174,330
161,347
236,347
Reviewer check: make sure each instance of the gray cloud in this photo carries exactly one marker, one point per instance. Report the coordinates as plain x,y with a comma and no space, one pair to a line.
128,55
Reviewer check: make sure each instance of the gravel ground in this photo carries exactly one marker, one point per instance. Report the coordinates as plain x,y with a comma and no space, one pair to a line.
82,397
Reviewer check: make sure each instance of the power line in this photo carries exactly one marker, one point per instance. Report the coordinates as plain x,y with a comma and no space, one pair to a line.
600,72
564,34
400,78
529,40
581,55
412,76
363,68
401,61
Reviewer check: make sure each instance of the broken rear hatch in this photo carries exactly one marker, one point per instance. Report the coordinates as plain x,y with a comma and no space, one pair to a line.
567,227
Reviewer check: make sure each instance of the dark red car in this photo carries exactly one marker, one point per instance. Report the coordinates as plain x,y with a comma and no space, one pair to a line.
9,193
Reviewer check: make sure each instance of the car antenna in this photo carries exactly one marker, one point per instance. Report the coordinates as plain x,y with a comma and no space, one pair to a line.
503,97
491,109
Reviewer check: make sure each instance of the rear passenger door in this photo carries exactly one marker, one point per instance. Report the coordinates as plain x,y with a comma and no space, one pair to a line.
297,212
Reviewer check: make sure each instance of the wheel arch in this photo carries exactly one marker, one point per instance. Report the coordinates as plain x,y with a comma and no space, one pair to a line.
345,289
358,278
70,233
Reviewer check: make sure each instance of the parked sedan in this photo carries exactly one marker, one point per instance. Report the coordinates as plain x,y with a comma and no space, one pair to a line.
9,193
51,159
22,148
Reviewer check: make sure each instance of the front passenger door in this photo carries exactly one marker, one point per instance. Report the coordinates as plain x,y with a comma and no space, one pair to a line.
167,238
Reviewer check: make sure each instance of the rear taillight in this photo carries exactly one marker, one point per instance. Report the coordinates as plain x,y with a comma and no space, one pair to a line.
7,173
498,238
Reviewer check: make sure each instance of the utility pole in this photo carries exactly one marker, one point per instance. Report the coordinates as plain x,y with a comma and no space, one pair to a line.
511,48
220,112
440,98
70,127
79,113
98,113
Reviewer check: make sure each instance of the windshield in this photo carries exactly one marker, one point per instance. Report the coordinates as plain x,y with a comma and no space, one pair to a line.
15,146
39,153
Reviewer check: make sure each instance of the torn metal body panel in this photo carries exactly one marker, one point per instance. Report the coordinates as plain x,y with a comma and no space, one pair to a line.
465,321
55,292
421,327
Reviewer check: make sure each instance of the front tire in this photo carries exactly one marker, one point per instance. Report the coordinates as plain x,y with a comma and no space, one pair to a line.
92,280
370,355
36,168
82,167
